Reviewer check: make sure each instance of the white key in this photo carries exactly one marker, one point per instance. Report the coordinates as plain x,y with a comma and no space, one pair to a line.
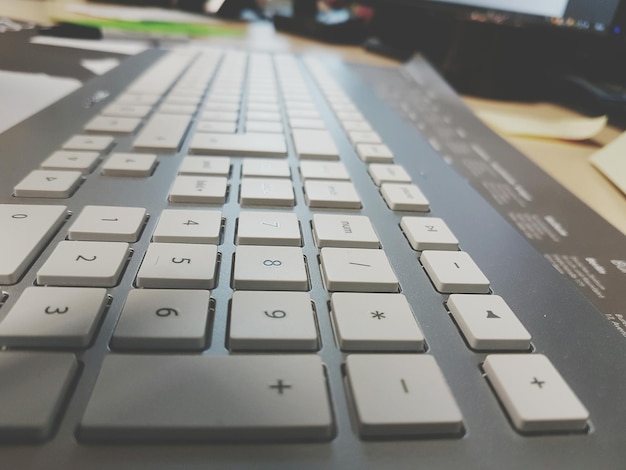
373,153
26,231
233,397
177,109
388,173
344,231
178,266
265,167
199,189
89,142
361,126
250,144
270,268
364,137
302,123
194,165
454,272
268,107
51,317
357,270
84,264
404,197
76,160
323,170
268,228
272,321
220,116
313,143
264,126
165,319
417,399
108,224
488,323
49,184
428,233
113,124
217,97
138,165
217,106
192,99
40,378
263,116
302,113
534,394
375,322
331,194
120,109
188,226
349,116
140,99
266,192
302,104
162,132
217,127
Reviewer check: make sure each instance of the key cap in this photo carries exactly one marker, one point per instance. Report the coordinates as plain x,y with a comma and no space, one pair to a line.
375,322
138,99
108,224
263,116
268,228
388,173
266,192
188,226
89,142
54,317
217,398
113,124
51,184
34,387
428,233
178,266
137,165
373,153
264,127
313,143
331,194
177,109
357,270
165,319
404,197
195,165
302,123
534,394
270,268
265,167
272,321
199,189
361,126
217,106
84,162
216,127
488,323
187,102
364,137
84,264
220,116
454,272
250,144
26,231
322,170
162,133
344,231
417,400
303,114
120,109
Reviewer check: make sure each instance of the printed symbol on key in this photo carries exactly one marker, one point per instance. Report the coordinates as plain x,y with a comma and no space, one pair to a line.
271,224
166,312
275,313
360,264
490,314
537,382
378,315
272,262
280,386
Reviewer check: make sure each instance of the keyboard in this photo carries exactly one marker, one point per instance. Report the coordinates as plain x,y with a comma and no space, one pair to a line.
216,258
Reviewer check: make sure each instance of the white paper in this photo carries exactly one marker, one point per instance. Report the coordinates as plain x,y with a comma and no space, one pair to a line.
100,66
115,46
25,94
611,161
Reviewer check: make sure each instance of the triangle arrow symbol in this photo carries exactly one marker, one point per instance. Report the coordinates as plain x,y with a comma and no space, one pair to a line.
490,314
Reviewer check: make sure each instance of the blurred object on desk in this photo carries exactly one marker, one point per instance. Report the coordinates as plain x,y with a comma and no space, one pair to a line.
611,162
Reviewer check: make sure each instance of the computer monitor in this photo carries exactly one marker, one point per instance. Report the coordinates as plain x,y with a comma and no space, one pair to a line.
517,49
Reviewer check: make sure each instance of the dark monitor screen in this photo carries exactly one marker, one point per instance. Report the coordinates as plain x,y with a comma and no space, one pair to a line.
586,15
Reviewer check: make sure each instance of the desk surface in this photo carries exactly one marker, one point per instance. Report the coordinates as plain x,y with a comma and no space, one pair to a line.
567,162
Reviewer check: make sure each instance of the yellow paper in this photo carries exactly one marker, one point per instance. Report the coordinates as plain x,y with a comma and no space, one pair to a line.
611,161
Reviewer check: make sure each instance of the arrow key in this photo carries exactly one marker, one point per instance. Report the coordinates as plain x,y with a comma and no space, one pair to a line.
488,323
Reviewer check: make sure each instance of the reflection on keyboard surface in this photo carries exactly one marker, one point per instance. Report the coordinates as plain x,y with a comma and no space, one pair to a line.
230,249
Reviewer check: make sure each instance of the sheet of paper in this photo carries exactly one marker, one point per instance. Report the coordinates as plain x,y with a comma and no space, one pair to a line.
115,46
24,94
139,14
611,161
100,66
544,120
